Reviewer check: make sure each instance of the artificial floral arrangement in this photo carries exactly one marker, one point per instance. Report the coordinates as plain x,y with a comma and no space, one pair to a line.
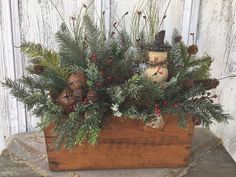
94,76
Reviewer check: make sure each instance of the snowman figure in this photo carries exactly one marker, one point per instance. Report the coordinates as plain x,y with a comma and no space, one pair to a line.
157,53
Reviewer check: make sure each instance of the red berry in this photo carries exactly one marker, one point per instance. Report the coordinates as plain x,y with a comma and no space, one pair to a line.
94,57
157,109
85,101
165,103
98,85
175,105
109,78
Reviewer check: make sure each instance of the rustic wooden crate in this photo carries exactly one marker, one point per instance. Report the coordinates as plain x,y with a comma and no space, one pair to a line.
127,143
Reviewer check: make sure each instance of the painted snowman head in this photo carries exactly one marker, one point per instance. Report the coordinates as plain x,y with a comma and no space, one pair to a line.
157,52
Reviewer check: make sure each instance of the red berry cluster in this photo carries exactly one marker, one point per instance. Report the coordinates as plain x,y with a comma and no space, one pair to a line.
157,110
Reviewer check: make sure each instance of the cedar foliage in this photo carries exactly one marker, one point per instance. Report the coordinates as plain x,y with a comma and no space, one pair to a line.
126,93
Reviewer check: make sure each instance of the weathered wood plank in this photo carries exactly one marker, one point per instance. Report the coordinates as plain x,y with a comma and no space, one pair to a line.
174,18
8,105
127,143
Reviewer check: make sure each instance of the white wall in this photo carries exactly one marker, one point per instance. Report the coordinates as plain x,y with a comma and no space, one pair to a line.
38,20
29,20
216,35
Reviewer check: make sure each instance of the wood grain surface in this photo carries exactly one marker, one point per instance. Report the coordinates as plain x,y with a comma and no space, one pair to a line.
127,143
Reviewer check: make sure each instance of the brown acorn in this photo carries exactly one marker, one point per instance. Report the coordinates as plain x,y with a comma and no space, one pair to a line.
38,69
66,100
77,80
192,49
197,121
92,96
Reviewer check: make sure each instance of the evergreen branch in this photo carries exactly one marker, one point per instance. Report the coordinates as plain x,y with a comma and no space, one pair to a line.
45,57
37,53
92,74
29,97
205,110
34,83
71,49
95,38
16,89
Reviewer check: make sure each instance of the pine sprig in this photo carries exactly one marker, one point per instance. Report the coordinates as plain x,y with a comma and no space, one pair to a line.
29,96
185,66
207,111
34,83
95,38
16,89
71,50
46,58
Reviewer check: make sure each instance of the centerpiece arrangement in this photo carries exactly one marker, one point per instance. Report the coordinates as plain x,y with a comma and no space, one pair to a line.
99,89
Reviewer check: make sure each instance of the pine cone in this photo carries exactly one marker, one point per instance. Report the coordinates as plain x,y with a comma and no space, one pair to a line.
197,121
208,84
192,49
38,69
92,96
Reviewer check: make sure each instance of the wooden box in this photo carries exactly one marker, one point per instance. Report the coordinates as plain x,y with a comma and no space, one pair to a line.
127,143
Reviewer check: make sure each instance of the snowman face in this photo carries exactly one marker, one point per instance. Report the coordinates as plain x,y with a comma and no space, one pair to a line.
157,57
157,74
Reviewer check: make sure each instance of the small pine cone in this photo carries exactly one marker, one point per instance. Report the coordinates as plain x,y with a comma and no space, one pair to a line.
92,96
192,49
208,84
197,121
178,38
38,69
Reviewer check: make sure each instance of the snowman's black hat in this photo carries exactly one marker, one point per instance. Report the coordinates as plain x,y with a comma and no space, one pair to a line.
159,45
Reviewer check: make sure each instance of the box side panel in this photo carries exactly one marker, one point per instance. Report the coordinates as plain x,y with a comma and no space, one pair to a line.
108,156
126,143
